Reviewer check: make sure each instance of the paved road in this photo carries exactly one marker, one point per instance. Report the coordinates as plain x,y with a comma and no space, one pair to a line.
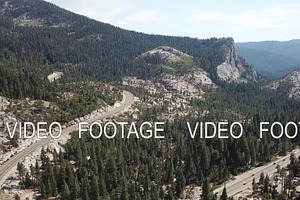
11,164
244,180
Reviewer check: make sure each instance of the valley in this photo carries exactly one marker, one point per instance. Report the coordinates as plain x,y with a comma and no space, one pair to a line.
9,166
141,116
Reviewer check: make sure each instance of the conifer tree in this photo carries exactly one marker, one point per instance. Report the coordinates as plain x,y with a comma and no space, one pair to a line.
206,193
181,182
53,185
124,193
103,191
254,185
224,194
65,194
267,184
95,188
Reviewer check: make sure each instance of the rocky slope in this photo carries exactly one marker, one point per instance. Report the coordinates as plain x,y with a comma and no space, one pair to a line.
168,53
162,60
232,69
171,76
289,85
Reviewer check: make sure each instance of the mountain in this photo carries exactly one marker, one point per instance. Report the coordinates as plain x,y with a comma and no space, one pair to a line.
234,69
163,59
271,58
167,59
289,85
39,38
168,72
61,60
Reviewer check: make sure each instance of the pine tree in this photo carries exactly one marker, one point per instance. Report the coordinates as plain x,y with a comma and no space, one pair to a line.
43,190
43,158
111,173
65,194
113,195
262,178
95,188
124,194
190,170
85,195
266,153
103,191
266,184
21,172
206,193
37,169
254,185
274,193
74,187
224,194
62,177
180,184
27,181
53,186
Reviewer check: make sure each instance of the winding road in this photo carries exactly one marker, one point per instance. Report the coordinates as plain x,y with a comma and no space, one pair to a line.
244,181
233,187
11,164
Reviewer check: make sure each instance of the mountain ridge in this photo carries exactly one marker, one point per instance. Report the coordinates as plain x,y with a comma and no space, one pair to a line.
271,58
81,48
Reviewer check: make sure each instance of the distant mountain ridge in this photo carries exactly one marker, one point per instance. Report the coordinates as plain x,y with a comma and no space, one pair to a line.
271,58
289,48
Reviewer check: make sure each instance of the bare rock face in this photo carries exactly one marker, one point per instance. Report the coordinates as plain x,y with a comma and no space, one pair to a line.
227,72
289,85
54,76
168,53
191,84
231,70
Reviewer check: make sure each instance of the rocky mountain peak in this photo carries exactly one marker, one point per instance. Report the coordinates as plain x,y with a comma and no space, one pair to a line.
232,69
231,55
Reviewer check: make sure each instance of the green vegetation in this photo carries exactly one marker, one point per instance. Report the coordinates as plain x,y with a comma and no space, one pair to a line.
81,48
282,186
67,101
160,169
271,58
151,65
86,52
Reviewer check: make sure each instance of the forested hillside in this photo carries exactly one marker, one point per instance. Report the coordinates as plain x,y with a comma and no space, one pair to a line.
45,38
133,168
38,38
273,59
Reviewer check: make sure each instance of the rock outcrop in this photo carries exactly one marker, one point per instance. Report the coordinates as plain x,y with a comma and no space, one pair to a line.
289,85
232,69
168,53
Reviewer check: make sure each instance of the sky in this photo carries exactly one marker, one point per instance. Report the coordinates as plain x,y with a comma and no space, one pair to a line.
255,20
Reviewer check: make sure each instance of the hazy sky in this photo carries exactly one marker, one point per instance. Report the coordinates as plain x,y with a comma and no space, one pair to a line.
254,20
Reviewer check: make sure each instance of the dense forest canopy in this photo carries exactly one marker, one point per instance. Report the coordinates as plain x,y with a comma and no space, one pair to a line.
37,38
37,35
